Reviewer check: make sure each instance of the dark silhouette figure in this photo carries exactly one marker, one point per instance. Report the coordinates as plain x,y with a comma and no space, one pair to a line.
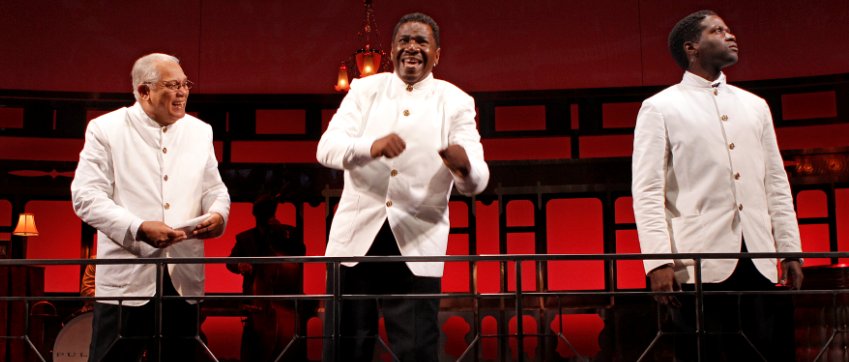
269,326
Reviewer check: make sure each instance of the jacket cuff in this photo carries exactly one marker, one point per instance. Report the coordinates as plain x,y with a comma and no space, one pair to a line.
651,265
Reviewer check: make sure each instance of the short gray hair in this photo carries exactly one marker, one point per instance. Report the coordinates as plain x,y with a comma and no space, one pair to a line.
144,70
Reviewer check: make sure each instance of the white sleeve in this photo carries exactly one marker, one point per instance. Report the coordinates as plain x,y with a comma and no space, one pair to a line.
92,191
215,196
648,169
342,146
785,228
464,133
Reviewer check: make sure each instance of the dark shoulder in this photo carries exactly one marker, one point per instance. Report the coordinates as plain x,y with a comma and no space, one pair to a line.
245,235
284,231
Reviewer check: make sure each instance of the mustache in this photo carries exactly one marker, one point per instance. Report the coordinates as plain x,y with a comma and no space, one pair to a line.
415,55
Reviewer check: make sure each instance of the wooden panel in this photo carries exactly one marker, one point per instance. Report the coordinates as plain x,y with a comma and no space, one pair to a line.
11,117
456,275
273,151
811,203
526,148
796,138
815,239
606,146
280,121
41,149
575,227
59,232
809,105
519,118
630,273
841,214
620,115
487,228
624,210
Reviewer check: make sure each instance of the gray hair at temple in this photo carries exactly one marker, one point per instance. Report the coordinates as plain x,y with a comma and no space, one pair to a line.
144,69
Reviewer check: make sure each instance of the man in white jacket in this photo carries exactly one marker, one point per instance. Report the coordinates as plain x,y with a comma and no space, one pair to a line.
708,178
144,170
404,140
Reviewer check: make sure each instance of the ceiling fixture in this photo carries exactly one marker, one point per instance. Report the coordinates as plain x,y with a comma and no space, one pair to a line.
368,60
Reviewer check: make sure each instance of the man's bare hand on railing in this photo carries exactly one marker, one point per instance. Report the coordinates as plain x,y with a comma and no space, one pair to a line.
663,280
791,273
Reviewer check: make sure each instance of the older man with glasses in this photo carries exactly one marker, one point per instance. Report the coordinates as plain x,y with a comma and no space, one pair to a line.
148,181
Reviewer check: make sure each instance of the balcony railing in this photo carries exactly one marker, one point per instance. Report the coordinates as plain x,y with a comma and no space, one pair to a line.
515,300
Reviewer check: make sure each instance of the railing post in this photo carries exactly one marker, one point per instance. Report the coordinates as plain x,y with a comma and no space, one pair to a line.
700,333
520,349
160,290
336,337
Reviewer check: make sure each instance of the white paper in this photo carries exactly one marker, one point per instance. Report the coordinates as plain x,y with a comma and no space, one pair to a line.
189,225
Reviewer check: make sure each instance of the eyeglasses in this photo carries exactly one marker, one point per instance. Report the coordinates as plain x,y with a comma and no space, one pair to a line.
174,84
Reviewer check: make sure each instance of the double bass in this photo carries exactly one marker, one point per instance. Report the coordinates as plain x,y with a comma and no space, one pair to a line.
272,324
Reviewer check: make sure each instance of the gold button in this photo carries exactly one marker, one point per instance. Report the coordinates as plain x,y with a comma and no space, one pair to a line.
406,112
164,149
737,176
715,91
165,177
740,207
164,129
389,203
731,146
394,173
409,87
167,206
724,117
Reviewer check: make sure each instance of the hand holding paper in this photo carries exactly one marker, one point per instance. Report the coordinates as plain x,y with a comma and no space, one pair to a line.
189,226
212,225
159,235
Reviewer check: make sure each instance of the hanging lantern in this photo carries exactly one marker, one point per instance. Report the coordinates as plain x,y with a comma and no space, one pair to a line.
368,60
342,81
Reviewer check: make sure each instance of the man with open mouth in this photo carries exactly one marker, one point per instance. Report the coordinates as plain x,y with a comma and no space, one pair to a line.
143,171
404,139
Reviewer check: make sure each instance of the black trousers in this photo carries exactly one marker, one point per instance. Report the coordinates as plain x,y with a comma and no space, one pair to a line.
737,327
411,323
124,333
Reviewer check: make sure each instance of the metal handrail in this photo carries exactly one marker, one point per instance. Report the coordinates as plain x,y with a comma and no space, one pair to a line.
517,294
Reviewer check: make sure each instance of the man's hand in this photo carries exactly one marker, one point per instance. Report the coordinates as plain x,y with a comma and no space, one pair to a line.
663,280
791,274
209,228
389,146
159,235
455,158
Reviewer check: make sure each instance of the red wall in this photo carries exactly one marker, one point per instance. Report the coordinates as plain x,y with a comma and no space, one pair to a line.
276,46
296,46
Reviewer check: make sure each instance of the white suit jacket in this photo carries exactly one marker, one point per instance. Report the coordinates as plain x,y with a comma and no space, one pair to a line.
411,190
707,173
132,170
